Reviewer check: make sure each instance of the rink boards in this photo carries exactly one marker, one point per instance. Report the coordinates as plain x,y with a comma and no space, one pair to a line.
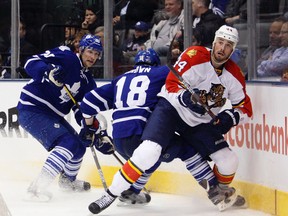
261,145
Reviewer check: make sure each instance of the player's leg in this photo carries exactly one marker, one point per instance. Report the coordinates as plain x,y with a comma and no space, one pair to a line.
158,131
135,194
55,138
195,163
204,138
226,163
68,178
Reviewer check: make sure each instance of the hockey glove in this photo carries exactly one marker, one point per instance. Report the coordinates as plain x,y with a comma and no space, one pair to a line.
225,120
104,143
88,132
56,74
185,99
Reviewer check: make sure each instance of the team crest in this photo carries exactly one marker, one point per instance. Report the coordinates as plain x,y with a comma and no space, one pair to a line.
213,98
64,97
191,53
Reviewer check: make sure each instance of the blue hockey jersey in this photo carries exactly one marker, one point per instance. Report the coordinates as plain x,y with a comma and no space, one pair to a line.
40,95
132,96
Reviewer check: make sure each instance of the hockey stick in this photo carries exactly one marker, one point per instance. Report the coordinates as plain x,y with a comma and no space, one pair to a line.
185,84
91,147
101,119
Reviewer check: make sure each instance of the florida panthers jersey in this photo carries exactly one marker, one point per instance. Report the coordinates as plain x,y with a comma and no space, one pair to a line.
40,95
216,86
132,96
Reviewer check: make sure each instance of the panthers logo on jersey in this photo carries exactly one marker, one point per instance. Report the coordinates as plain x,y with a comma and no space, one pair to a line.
214,98
215,95
192,53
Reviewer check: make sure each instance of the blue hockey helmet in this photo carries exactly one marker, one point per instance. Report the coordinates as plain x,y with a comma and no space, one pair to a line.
148,57
89,41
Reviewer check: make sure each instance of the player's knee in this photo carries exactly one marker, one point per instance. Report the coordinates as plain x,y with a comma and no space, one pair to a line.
146,155
226,161
72,143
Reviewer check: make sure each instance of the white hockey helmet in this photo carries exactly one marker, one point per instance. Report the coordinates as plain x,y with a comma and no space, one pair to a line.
228,33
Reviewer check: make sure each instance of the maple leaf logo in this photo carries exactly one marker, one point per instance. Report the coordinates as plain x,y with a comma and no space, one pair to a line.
74,91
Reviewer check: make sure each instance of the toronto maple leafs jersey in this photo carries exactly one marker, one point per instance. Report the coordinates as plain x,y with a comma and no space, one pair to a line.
216,86
40,95
132,96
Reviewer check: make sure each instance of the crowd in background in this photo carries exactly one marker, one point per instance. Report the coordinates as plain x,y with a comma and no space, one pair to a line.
139,25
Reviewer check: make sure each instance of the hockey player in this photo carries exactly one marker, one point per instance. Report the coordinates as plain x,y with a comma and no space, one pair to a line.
133,96
44,103
214,78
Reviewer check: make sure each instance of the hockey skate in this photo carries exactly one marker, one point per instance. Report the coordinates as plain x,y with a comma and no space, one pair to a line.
35,194
104,202
129,197
222,196
240,202
76,185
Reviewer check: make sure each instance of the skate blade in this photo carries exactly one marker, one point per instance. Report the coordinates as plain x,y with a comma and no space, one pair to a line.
32,197
223,205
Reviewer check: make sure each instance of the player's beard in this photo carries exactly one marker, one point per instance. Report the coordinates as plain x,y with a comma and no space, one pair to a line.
217,62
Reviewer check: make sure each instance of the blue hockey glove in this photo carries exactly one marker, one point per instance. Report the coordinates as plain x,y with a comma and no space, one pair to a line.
88,132
225,120
185,99
104,143
56,74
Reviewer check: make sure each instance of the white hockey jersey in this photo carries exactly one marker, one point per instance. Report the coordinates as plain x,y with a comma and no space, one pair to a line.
216,86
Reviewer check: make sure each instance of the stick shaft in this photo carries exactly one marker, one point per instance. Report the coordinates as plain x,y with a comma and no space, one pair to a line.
100,172
188,87
99,168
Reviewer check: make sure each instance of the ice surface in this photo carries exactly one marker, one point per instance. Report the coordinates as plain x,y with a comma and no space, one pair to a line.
76,204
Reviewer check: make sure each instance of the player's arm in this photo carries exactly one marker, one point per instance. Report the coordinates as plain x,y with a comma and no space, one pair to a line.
97,100
43,67
36,68
241,110
238,96
185,68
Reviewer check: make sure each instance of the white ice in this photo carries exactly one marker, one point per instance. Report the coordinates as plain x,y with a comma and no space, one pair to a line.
76,204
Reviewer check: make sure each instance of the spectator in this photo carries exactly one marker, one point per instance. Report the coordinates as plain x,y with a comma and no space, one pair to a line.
284,77
162,33
120,11
140,10
178,44
236,11
158,16
71,29
205,18
132,45
77,39
93,19
219,7
274,39
278,63
98,68
26,49
134,10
